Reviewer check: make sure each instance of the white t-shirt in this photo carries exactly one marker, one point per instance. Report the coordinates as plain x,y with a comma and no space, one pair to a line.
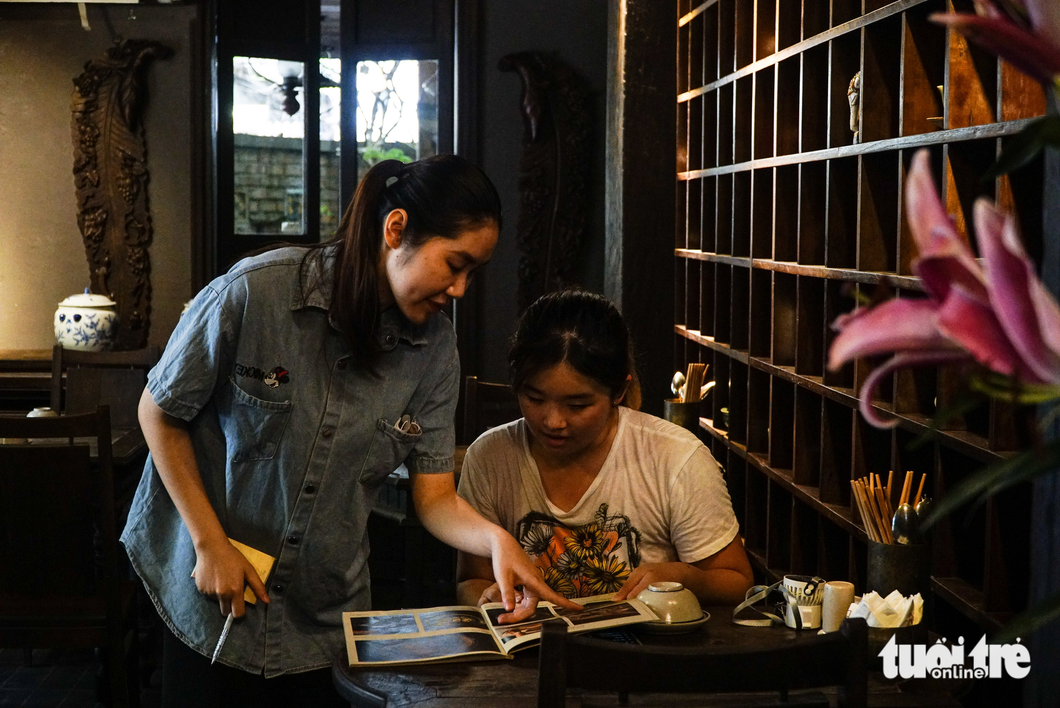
659,497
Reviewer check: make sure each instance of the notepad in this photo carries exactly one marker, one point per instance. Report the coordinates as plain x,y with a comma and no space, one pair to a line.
262,563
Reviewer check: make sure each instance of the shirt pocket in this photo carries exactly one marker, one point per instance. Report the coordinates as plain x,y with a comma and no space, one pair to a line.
254,426
387,452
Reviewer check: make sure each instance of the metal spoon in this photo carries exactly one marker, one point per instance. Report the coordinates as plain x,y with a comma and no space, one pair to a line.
922,508
904,524
677,383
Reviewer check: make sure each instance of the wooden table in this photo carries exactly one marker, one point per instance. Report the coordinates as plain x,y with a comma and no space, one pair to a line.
513,683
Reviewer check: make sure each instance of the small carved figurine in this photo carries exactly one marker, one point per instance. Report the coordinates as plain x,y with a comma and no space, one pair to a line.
854,99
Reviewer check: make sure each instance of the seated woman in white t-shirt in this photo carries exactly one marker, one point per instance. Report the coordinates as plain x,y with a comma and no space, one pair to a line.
603,498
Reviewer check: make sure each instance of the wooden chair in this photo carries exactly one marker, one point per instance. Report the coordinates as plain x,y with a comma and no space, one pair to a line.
83,380
61,584
835,659
487,405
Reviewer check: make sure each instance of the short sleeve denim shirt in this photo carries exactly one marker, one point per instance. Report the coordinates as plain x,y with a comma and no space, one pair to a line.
292,440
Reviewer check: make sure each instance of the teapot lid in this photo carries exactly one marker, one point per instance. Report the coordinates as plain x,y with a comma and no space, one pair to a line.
87,299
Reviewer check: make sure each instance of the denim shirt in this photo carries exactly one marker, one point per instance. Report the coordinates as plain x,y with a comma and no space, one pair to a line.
292,441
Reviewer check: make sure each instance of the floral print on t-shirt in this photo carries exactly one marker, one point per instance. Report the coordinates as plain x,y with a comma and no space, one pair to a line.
580,561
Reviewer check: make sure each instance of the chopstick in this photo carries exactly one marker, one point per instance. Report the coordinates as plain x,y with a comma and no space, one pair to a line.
906,488
694,382
866,517
920,490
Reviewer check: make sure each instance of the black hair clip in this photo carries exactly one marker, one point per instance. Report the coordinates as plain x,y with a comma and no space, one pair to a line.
391,181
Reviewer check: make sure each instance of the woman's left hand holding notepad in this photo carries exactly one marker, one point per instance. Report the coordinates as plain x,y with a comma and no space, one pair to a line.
253,567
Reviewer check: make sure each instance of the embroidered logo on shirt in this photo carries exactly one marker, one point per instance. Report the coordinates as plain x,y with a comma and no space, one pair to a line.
580,561
272,379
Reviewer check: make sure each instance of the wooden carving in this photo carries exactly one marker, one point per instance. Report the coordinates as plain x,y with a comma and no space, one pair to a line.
110,177
553,173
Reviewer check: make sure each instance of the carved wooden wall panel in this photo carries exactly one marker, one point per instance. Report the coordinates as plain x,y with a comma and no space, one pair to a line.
553,173
110,176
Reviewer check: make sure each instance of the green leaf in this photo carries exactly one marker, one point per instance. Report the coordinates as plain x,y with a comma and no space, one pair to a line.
996,478
964,402
1025,146
1025,623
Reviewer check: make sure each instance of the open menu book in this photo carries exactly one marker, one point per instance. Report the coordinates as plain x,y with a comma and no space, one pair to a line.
459,633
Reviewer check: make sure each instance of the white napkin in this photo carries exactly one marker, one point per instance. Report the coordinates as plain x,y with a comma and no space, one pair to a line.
895,610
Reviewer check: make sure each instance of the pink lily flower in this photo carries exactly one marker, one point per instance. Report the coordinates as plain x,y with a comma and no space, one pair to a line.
1001,316
1033,48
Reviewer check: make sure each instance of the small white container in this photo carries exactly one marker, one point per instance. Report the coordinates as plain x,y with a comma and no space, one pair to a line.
86,322
35,413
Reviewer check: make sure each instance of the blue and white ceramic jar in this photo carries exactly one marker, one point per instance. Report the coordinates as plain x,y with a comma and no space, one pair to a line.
86,322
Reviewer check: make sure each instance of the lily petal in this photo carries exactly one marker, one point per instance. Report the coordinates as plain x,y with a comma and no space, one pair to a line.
945,255
898,361
1033,55
894,325
1027,313
972,323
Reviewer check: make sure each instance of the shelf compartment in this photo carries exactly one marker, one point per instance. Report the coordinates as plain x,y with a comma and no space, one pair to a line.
692,299
846,62
723,228
760,215
682,137
785,302
745,25
815,15
814,109
804,537
720,393
738,402
741,214
833,551
809,351
959,538
843,10
726,37
881,79
923,69
781,424
872,451
916,390
682,58
1021,96
741,300
789,23
812,211
761,314
788,118
755,512
723,300
971,86
842,225
710,43
709,193
735,470
807,454
836,453
1006,581
764,108
783,217
966,162
710,130
680,291
758,411
695,52
878,231
695,133
766,27
837,301
742,135
778,529
694,214
725,122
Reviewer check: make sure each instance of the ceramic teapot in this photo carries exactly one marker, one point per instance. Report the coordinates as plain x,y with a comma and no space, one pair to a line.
86,322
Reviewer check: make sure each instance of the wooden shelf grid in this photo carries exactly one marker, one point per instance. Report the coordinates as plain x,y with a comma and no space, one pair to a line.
785,218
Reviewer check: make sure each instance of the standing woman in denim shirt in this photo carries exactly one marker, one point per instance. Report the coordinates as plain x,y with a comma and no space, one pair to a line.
272,420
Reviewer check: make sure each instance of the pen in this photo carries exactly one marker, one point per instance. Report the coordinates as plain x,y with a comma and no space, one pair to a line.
224,636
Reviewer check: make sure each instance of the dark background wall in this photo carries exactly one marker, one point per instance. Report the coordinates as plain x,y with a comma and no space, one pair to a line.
576,30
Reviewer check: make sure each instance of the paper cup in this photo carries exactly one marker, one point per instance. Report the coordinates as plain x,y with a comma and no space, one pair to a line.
810,616
838,596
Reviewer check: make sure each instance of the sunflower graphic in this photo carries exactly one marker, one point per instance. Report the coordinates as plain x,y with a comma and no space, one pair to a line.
585,542
560,584
604,574
568,566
